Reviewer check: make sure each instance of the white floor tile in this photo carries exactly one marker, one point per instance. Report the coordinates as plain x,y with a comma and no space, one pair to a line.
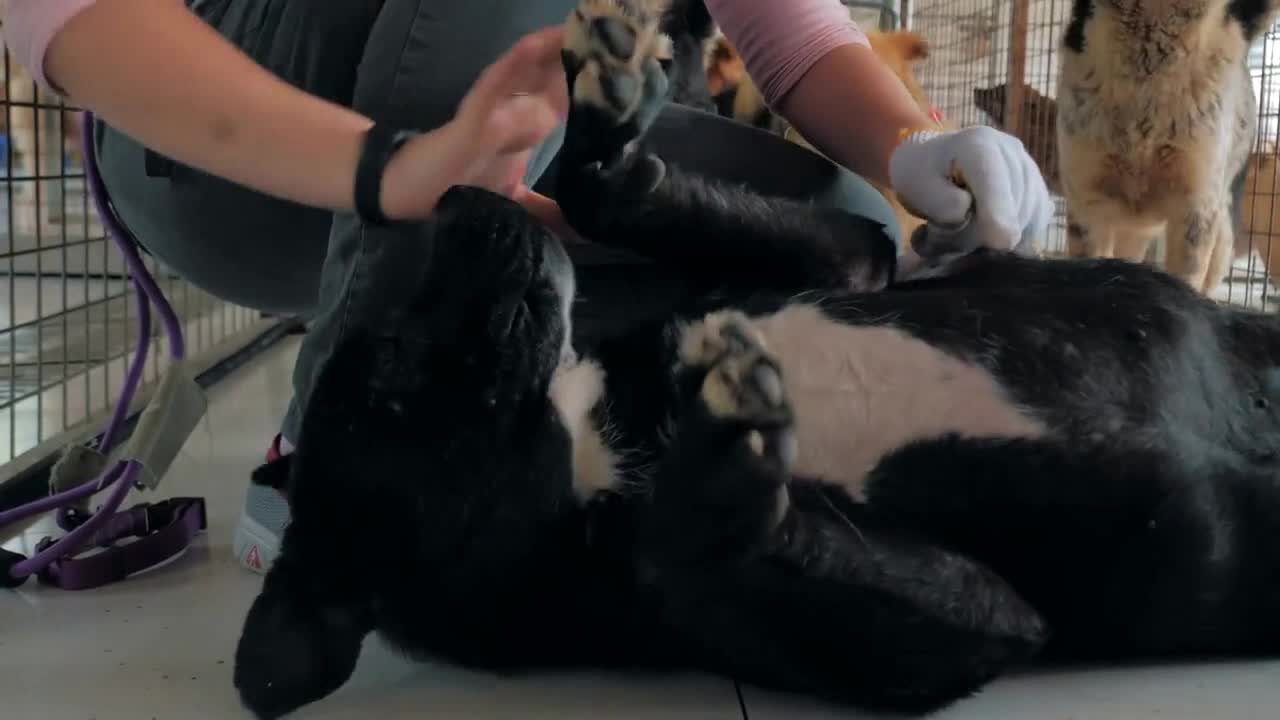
160,645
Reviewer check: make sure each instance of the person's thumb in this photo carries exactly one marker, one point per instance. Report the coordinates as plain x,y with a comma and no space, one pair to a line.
924,189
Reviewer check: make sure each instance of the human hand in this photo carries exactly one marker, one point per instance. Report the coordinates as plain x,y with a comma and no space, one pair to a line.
512,106
977,187
547,211
502,174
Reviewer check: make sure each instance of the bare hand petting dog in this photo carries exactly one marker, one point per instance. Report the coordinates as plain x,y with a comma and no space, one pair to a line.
514,105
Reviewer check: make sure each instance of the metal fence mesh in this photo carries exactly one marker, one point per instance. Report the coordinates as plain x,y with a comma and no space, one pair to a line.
68,317
995,62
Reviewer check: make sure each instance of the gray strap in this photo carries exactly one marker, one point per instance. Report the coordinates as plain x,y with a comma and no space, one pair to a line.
163,428
169,419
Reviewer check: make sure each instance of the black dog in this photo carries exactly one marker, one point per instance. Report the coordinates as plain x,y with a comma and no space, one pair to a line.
805,480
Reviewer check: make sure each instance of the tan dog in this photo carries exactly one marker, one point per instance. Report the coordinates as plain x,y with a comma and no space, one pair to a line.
1039,127
1156,116
900,51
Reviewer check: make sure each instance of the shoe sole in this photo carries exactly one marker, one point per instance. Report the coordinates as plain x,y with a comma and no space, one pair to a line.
255,546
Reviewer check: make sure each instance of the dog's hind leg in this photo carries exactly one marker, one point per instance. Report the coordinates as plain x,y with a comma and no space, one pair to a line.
1193,238
787,584
1220,259
1121,552
1077,237
300,641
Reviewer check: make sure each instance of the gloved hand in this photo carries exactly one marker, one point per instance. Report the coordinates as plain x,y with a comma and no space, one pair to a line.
977,187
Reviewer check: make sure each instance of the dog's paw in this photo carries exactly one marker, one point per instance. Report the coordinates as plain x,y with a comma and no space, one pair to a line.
743,382
611,56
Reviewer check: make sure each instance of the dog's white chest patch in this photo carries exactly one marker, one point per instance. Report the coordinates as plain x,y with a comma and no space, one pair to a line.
575,390
860,393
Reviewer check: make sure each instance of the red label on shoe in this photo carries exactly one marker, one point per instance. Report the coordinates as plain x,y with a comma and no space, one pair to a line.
252,559
273,452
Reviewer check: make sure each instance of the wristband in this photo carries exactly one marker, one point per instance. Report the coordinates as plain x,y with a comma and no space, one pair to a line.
379,146
917,134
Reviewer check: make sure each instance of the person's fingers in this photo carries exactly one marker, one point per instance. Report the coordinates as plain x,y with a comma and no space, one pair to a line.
548,212
502,174
987,171
514,168
520,123
523,68
557,92
930,194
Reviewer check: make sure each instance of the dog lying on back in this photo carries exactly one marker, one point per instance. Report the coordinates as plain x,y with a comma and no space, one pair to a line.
1156,116
809,477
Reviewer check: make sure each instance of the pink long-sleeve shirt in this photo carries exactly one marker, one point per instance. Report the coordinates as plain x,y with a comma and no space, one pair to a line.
778,41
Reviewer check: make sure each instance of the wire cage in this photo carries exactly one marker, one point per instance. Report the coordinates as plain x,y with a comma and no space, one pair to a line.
67,316
995,62
879,14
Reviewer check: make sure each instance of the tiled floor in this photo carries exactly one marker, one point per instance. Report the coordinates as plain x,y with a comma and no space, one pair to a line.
160,645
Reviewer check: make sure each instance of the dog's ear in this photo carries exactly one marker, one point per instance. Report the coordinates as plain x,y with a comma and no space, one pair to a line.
911,45
299,643
724,67
1031,92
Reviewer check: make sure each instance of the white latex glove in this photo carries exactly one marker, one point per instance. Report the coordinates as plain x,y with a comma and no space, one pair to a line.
977,187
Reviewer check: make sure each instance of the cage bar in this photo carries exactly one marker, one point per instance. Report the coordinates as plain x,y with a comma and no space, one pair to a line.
996,62
67,332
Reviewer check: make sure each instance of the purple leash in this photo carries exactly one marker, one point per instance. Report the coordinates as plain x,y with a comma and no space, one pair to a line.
163,529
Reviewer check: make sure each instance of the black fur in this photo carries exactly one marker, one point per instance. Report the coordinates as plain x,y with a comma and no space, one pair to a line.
690,27
1143,524
1251,14
1073,38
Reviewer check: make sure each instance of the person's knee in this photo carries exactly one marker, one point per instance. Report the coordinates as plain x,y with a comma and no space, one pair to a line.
337,17
853,194
731,152
423,55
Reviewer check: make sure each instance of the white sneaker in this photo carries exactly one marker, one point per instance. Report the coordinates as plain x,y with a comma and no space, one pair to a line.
262,522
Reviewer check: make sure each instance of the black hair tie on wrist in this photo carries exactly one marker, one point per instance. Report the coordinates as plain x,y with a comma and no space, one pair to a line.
381,143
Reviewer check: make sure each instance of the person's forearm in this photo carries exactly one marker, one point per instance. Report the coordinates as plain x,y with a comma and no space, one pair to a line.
852,107
156,72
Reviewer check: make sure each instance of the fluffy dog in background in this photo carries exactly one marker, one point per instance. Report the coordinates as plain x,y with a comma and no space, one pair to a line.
1156,116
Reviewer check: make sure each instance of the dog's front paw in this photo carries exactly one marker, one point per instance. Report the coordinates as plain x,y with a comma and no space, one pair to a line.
616,84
